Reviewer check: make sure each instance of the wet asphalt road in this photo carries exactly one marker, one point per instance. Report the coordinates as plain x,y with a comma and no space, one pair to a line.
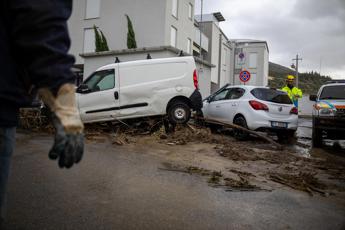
114,188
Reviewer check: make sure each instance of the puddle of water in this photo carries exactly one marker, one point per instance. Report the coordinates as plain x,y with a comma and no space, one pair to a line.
302,151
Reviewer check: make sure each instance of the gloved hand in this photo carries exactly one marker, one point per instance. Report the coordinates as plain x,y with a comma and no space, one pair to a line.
68,146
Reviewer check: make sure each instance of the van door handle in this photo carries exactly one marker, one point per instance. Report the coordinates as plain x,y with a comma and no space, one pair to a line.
116,95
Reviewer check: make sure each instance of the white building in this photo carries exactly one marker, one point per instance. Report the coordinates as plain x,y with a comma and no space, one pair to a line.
219,50
155,22
250,55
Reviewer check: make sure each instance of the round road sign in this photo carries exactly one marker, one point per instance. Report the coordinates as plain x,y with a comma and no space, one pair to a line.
244,76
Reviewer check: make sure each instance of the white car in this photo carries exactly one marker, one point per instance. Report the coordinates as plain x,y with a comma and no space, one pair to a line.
257,108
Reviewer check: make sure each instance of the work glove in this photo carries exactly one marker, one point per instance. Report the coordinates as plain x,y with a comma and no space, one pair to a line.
68,145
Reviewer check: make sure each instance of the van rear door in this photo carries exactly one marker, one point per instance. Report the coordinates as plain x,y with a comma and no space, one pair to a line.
101,101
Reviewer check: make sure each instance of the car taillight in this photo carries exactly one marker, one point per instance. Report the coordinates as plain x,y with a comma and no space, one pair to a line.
294,110
195,80
258,105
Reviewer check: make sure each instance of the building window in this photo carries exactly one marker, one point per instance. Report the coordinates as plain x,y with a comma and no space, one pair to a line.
173,36
190,11
89,40
189,45
253,60
174,8
92,9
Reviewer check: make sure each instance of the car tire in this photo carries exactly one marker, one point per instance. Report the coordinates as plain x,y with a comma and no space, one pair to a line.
179,113
239,134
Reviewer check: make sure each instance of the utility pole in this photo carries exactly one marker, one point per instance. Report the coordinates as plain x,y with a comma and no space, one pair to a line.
296,68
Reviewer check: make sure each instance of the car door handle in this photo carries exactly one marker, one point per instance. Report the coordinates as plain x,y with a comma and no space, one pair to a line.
116,95
217,106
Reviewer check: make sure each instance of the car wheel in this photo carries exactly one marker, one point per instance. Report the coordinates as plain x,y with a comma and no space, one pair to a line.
179,113
239,134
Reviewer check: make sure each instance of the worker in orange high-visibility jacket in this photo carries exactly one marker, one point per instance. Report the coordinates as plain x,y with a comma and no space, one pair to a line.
293,92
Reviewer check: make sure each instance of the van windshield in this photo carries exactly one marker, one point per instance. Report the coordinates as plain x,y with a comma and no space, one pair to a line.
335,92
271,95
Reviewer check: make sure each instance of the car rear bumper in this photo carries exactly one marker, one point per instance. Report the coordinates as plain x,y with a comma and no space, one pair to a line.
261,120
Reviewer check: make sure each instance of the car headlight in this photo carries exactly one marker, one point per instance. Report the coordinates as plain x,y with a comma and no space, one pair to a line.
325,109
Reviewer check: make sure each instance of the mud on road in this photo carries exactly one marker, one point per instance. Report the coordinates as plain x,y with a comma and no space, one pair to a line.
230,164
250,165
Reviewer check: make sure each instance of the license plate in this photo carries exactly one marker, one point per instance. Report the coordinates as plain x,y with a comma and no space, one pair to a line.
279,124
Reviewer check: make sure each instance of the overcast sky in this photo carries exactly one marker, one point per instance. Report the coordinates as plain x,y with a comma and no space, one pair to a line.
315,29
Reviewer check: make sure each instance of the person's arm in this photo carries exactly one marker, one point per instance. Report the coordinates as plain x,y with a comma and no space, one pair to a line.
298,93
40,40
40,44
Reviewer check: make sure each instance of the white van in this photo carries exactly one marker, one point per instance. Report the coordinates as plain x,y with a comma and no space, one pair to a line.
152,87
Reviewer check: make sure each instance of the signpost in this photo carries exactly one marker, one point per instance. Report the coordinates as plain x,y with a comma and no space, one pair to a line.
244,76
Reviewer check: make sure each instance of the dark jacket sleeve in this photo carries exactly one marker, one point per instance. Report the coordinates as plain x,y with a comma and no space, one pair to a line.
40,40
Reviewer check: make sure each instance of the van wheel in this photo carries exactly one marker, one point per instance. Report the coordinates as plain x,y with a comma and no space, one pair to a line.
179,113
239,134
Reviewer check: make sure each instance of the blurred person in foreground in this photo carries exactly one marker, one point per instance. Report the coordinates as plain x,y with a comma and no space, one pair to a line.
34,46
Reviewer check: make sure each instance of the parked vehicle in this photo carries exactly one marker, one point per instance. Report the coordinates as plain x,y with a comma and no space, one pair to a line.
152,87
329,112
256,108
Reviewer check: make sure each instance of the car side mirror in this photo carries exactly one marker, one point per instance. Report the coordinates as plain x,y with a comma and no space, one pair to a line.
312,97
83,88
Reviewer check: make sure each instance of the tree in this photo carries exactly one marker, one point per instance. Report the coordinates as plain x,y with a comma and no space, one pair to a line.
131,43
98,40
104,42
101,43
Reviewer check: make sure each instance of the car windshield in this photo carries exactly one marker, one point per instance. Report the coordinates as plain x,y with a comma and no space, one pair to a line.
271,95
335,92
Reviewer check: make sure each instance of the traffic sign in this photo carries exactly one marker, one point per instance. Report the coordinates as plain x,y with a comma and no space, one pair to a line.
244,76
241,58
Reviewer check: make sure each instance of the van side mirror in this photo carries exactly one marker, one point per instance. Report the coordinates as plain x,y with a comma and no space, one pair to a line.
312,97
209,99
83,88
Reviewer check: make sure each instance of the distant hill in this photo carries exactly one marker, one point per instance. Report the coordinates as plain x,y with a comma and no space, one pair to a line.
308,82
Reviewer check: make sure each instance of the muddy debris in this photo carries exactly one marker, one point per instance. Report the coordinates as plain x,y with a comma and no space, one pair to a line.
306,182
315,175
240,185
215,178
